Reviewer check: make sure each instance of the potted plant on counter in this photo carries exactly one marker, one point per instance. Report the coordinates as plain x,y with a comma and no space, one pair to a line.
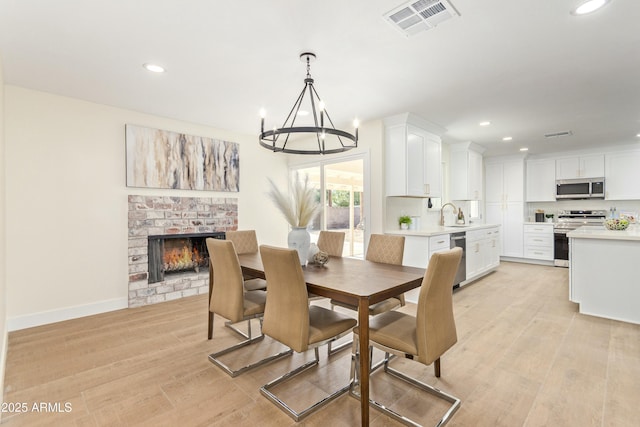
404,221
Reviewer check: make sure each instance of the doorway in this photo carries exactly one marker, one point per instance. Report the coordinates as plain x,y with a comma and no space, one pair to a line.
341,190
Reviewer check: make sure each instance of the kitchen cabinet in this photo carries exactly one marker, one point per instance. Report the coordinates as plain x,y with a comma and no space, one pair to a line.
541,180
466,171
412,157
622,175
538,241
418,249
483,251
504,191
417,252
587,166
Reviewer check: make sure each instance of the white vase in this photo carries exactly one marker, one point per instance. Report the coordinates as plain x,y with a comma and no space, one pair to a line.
300,240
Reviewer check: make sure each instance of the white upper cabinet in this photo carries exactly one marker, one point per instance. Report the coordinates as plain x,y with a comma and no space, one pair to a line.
622,175
413,156
587,166
504,181
466,171
541,180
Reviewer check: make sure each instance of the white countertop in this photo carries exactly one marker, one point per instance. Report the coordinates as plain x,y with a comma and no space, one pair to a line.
438,230
631,233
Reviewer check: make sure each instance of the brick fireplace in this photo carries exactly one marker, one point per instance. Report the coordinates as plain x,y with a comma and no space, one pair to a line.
172,217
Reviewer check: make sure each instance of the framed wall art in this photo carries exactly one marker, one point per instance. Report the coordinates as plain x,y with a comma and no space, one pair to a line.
164,159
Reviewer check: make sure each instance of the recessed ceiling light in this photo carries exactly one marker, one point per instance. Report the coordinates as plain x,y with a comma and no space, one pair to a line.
638,135
153,68
524,149
485,123
507,138
589,6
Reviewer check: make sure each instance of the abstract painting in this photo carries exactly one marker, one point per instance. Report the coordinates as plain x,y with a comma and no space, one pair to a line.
164,159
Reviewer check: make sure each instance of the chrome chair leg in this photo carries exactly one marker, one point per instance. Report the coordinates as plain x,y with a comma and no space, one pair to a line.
354,392
297,416
215,357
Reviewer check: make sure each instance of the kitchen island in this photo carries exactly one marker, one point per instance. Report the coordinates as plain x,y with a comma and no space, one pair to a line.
604,272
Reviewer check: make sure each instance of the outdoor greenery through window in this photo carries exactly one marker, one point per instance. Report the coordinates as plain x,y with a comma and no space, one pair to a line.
341,193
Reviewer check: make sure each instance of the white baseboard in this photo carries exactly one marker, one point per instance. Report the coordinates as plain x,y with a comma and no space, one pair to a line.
52,316
3,364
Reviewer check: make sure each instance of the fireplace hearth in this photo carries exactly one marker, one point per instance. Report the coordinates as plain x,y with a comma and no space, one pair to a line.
178,253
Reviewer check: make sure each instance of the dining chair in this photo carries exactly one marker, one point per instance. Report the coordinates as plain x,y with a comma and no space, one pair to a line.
331,242
423,338
246,242
385,249
289,319
230,300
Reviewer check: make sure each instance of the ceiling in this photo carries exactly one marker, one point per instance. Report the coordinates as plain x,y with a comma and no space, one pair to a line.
529,66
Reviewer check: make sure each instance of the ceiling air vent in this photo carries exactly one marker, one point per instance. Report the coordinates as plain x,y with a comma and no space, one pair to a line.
421,15
558,134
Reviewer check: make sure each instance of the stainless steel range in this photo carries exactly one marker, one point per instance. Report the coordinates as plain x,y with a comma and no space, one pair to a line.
568,221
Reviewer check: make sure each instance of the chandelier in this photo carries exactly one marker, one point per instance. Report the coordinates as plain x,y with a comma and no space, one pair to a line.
320,136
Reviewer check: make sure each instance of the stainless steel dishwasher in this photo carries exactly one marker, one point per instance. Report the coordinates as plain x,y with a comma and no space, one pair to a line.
459,240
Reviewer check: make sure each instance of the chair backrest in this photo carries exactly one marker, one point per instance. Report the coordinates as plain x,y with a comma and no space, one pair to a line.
227,295
436,327
385,248
245,241
331,242
286,314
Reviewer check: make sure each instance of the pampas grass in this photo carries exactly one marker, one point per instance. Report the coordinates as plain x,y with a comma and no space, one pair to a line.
301,207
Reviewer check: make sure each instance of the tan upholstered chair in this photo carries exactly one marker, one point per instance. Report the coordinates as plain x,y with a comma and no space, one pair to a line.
424,337
231,301
288,318
331,242
246,242
385,249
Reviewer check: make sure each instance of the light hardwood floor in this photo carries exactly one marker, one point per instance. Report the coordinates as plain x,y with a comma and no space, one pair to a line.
524,357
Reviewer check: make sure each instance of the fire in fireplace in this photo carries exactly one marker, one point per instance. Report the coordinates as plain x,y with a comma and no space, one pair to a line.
178,253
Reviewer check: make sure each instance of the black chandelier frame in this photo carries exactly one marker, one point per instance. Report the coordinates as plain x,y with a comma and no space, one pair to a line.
270,139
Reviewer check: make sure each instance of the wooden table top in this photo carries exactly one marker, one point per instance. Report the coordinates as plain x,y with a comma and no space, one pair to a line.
348,279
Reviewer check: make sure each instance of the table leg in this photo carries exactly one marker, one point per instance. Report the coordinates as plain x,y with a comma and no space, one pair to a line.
363,332
210,314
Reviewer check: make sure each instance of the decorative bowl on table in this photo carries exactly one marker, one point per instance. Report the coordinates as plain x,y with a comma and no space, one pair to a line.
321,258
616,224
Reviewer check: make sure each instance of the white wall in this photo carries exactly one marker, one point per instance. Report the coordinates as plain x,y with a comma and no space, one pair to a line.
66,202
3,292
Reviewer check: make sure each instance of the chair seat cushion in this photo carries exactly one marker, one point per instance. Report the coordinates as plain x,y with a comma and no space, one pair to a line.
395,330
255,285
254,302
374,309
324,324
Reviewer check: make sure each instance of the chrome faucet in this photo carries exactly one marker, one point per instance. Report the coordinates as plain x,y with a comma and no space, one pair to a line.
442,211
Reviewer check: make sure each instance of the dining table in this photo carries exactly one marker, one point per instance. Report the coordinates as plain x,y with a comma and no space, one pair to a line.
357,282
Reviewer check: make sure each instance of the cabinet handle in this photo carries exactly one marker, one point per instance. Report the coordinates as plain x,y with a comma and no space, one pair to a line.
538,240
441,241
427,189
538,253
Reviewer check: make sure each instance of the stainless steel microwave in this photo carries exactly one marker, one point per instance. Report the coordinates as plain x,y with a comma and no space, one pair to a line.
581,188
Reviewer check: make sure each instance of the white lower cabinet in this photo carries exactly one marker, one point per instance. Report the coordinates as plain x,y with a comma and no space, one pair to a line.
483,251
538,241
418,251
510,215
